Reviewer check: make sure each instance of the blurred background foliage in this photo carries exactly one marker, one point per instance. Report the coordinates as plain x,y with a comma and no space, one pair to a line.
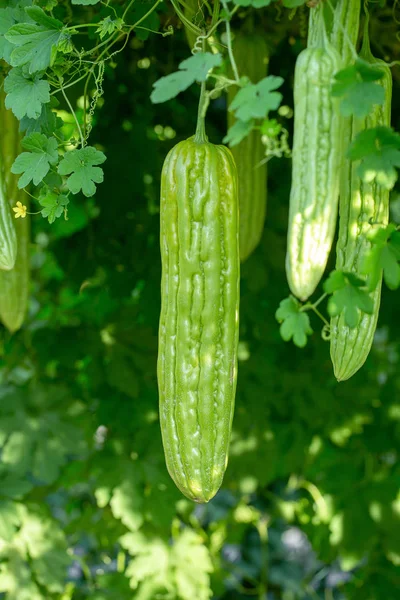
310,506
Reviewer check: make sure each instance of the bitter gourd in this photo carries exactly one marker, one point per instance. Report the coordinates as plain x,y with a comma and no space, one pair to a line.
8,237
14,284
361,205
251,56
317,155
198,333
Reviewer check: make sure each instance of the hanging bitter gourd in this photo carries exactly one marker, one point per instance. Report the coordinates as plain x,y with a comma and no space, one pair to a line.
361,205
198,333
317,156
8,237
251,56
14,284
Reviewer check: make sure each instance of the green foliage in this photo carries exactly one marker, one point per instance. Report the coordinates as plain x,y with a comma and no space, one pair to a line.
192,69
378,149
26,95
347,297
358,90
254,101
54,205
383,256
36,43
35,164
83,174
238,131
294,322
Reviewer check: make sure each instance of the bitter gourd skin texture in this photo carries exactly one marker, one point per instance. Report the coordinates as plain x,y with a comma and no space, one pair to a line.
316,161
198,333
361,205
318,147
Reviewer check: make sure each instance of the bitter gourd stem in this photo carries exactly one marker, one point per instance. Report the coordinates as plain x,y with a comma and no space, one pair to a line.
200,135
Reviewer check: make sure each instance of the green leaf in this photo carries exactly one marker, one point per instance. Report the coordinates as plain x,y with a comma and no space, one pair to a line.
378,149
347,297
126,504
54,205
85,2
47,122
84,174
150,558
8,17
192,562
35,164
6,22
195,68
108,25
237,133
26,96
384,255
358,90
41,18
294,322
36,42
254,101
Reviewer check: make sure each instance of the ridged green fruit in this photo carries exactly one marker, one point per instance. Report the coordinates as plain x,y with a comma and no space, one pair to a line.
14,284
316,161
251,56
8,237
198,333
361,205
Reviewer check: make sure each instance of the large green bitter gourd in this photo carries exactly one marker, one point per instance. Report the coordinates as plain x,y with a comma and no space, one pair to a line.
251,56
198,333
361,205
316,159
318,143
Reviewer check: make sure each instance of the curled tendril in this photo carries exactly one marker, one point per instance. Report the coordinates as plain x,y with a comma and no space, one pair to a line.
97,94
199,44
326,333
170,31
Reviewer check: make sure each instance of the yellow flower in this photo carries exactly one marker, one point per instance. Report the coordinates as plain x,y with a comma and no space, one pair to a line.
20,210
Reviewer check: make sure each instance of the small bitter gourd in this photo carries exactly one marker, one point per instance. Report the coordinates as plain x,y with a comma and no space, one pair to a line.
316,161
14,284
361,205
251,56
198,332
